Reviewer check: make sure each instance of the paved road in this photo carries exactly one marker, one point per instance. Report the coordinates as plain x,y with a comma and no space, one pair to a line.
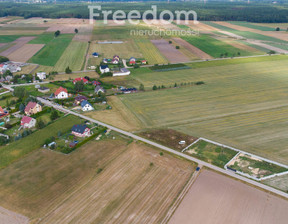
164,148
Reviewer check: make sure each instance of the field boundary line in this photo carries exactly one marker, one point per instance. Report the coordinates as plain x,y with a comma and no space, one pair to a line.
191,144
274,175
181,196
231,160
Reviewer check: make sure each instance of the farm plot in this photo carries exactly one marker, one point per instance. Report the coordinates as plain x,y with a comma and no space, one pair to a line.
53,50
216,48
240,109
254,167
170,52
17,44
254,26
25,52
211,153
20,148
221,199
8,38
194,50
23,31
278,182
136,184
10,217
74,57
150,52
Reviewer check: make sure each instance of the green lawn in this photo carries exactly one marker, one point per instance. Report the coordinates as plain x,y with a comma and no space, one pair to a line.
211,153
215,47
53,50
20,148
243,104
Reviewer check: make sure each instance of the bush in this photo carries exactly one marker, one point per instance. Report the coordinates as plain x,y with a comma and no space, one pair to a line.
3,59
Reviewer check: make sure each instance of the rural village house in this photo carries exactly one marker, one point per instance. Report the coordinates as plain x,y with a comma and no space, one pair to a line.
32,108
95,55
80,130
79,99
99,89
85,81
122,72
86,106
104,69
61,93
41,75
28,122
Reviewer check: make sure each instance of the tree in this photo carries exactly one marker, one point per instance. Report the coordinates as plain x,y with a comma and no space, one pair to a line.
57,33
40,123
68,70
20,92
76,30
170,42
177,47
79,86
7,73
22,107
54,115
175,85
278,29
141,87
3,59
154,87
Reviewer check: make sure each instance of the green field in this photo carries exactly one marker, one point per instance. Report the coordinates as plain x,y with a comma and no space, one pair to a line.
243,105
44,38
52,51
150,52
8,38
20,148
253,26
211,153
74,56
215,47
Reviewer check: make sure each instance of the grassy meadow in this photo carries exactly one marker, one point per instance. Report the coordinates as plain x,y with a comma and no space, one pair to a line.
20,148
243,105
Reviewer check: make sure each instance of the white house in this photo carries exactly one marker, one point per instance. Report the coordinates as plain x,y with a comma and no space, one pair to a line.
61,93
41,75
86,106
104,69
28,122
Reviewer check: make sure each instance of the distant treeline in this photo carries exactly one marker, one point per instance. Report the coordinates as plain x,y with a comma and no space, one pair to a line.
211,11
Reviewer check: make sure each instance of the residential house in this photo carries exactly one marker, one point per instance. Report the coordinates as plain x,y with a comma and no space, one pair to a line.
99,89
96,83
85,81
143,62
95,55
86,106
32,108
61,93
132,61
79,99
3,113
105,60
104,69
115,59
43,89
28,122
41,75
80,130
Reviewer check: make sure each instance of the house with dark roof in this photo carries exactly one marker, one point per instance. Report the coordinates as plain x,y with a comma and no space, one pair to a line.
80,130
86,106
32,108
104,69
28,122
99,89
61,93
95,54
79,99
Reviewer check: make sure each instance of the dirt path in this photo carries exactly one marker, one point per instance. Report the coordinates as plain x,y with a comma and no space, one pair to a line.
194,50
9,217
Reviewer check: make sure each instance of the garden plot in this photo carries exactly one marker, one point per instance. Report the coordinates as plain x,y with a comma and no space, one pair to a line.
170,52
254,166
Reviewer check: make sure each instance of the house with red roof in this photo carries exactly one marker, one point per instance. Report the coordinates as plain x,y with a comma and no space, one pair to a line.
3,113
61,93
28,122
32,108
85,81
